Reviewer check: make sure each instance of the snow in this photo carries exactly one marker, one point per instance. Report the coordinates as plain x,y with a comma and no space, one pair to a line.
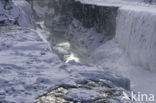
22,64
30,65
28,68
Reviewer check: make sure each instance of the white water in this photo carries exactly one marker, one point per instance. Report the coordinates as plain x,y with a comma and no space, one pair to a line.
136,33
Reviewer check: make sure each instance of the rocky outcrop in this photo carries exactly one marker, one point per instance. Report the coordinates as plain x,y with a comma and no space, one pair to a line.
86,92
6,17
15,13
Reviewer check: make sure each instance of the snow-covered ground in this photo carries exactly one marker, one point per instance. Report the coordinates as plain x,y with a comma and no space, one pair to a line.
28,68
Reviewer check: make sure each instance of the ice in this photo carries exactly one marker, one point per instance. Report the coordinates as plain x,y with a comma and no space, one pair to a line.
28,68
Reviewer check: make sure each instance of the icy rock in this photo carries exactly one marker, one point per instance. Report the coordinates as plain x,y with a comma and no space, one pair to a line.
88,92
14,12
82,95
5,17
2,94
115,79
22,11
43,81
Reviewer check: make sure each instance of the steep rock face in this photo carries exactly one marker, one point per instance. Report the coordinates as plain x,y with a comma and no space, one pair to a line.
24,13
6,17
99,17
15,13
79,27
64,11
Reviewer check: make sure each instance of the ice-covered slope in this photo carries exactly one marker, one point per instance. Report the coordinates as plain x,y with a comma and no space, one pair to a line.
28,68
135,33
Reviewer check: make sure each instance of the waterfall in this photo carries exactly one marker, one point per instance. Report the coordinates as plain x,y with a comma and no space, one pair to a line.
136,33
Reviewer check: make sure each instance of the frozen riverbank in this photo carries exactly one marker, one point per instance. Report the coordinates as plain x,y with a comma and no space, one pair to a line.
28,68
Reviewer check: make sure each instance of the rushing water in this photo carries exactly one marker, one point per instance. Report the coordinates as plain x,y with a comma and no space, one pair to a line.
135,32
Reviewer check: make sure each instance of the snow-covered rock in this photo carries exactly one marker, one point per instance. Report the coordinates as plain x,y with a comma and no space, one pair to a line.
88,91
24,12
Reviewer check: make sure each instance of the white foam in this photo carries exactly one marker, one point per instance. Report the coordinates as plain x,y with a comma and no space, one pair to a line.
136,34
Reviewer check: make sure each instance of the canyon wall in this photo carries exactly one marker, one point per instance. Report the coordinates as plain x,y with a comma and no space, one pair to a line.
80,27
56,13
